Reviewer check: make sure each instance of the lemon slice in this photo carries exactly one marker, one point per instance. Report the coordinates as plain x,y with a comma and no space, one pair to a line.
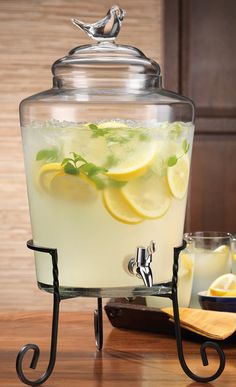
118,207
177,177
225,285
186,262
112,124
149,196
73,187
46,174
223,249
134,159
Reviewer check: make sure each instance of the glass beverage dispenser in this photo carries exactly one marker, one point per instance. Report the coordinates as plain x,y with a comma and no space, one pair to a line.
107,154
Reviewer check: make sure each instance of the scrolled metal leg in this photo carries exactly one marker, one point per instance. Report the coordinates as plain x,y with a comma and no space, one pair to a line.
204,346
98,325
34,347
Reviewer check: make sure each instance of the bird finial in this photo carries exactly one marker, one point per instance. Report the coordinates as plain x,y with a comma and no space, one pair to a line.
105,29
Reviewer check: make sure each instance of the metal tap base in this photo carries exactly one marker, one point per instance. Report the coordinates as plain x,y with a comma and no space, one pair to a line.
168,290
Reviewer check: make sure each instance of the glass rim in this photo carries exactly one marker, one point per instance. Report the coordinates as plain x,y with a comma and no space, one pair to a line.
207,235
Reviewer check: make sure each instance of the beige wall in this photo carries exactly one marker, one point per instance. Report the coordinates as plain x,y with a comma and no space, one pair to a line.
33,34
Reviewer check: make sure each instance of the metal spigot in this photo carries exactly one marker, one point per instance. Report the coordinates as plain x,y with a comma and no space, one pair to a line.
140,266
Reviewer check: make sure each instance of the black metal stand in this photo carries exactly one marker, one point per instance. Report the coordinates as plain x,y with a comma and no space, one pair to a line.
98,328
203,347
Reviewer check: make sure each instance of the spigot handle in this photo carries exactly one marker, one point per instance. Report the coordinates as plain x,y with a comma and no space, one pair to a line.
151,248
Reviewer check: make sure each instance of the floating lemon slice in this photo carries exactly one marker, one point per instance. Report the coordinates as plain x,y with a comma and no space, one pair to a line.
73,187
224,285
118,207
177,177
134,160
133,157
46,174
112,124
149,196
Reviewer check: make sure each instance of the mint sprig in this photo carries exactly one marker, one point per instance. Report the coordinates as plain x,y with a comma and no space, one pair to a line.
172,160
76,164
119,135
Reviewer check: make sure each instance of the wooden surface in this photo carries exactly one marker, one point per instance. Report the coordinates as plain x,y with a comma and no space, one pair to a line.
33,34
130,358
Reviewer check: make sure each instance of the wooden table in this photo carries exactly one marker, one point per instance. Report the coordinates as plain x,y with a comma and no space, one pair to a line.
129,358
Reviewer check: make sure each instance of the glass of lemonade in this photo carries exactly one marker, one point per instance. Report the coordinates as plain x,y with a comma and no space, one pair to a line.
107,156
211,253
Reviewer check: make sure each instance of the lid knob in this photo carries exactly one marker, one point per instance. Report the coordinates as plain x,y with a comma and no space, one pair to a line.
105,29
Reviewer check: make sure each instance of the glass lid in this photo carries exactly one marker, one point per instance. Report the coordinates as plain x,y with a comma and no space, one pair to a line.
105,64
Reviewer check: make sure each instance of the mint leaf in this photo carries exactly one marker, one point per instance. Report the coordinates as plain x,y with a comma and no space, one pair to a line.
93,126
185,146
144,137
111,161
47,154
70,169
98,132
66,160
116,183
77,157
91,169
172,160
100,184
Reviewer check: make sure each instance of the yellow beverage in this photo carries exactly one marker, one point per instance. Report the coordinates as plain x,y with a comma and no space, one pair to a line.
98,190
209,265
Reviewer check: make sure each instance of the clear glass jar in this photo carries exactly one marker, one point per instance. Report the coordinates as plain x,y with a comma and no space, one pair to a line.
107,156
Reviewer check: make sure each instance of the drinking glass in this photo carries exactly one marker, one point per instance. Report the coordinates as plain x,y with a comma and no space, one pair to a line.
211,253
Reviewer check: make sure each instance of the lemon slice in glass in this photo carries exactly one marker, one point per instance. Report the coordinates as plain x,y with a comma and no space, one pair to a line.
46,174
118,207
186,263
225,286
149,196
177,177
73,187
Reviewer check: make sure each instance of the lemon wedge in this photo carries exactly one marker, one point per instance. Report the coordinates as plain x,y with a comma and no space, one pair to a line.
177,177
118,207
223,249
224,285
73,187
46,174
186,263
149,196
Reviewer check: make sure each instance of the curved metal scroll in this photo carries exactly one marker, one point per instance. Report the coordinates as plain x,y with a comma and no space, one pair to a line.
204,346
98,325
33,347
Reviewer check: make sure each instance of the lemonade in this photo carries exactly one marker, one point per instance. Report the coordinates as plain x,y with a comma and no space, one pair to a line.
209,265
97,190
